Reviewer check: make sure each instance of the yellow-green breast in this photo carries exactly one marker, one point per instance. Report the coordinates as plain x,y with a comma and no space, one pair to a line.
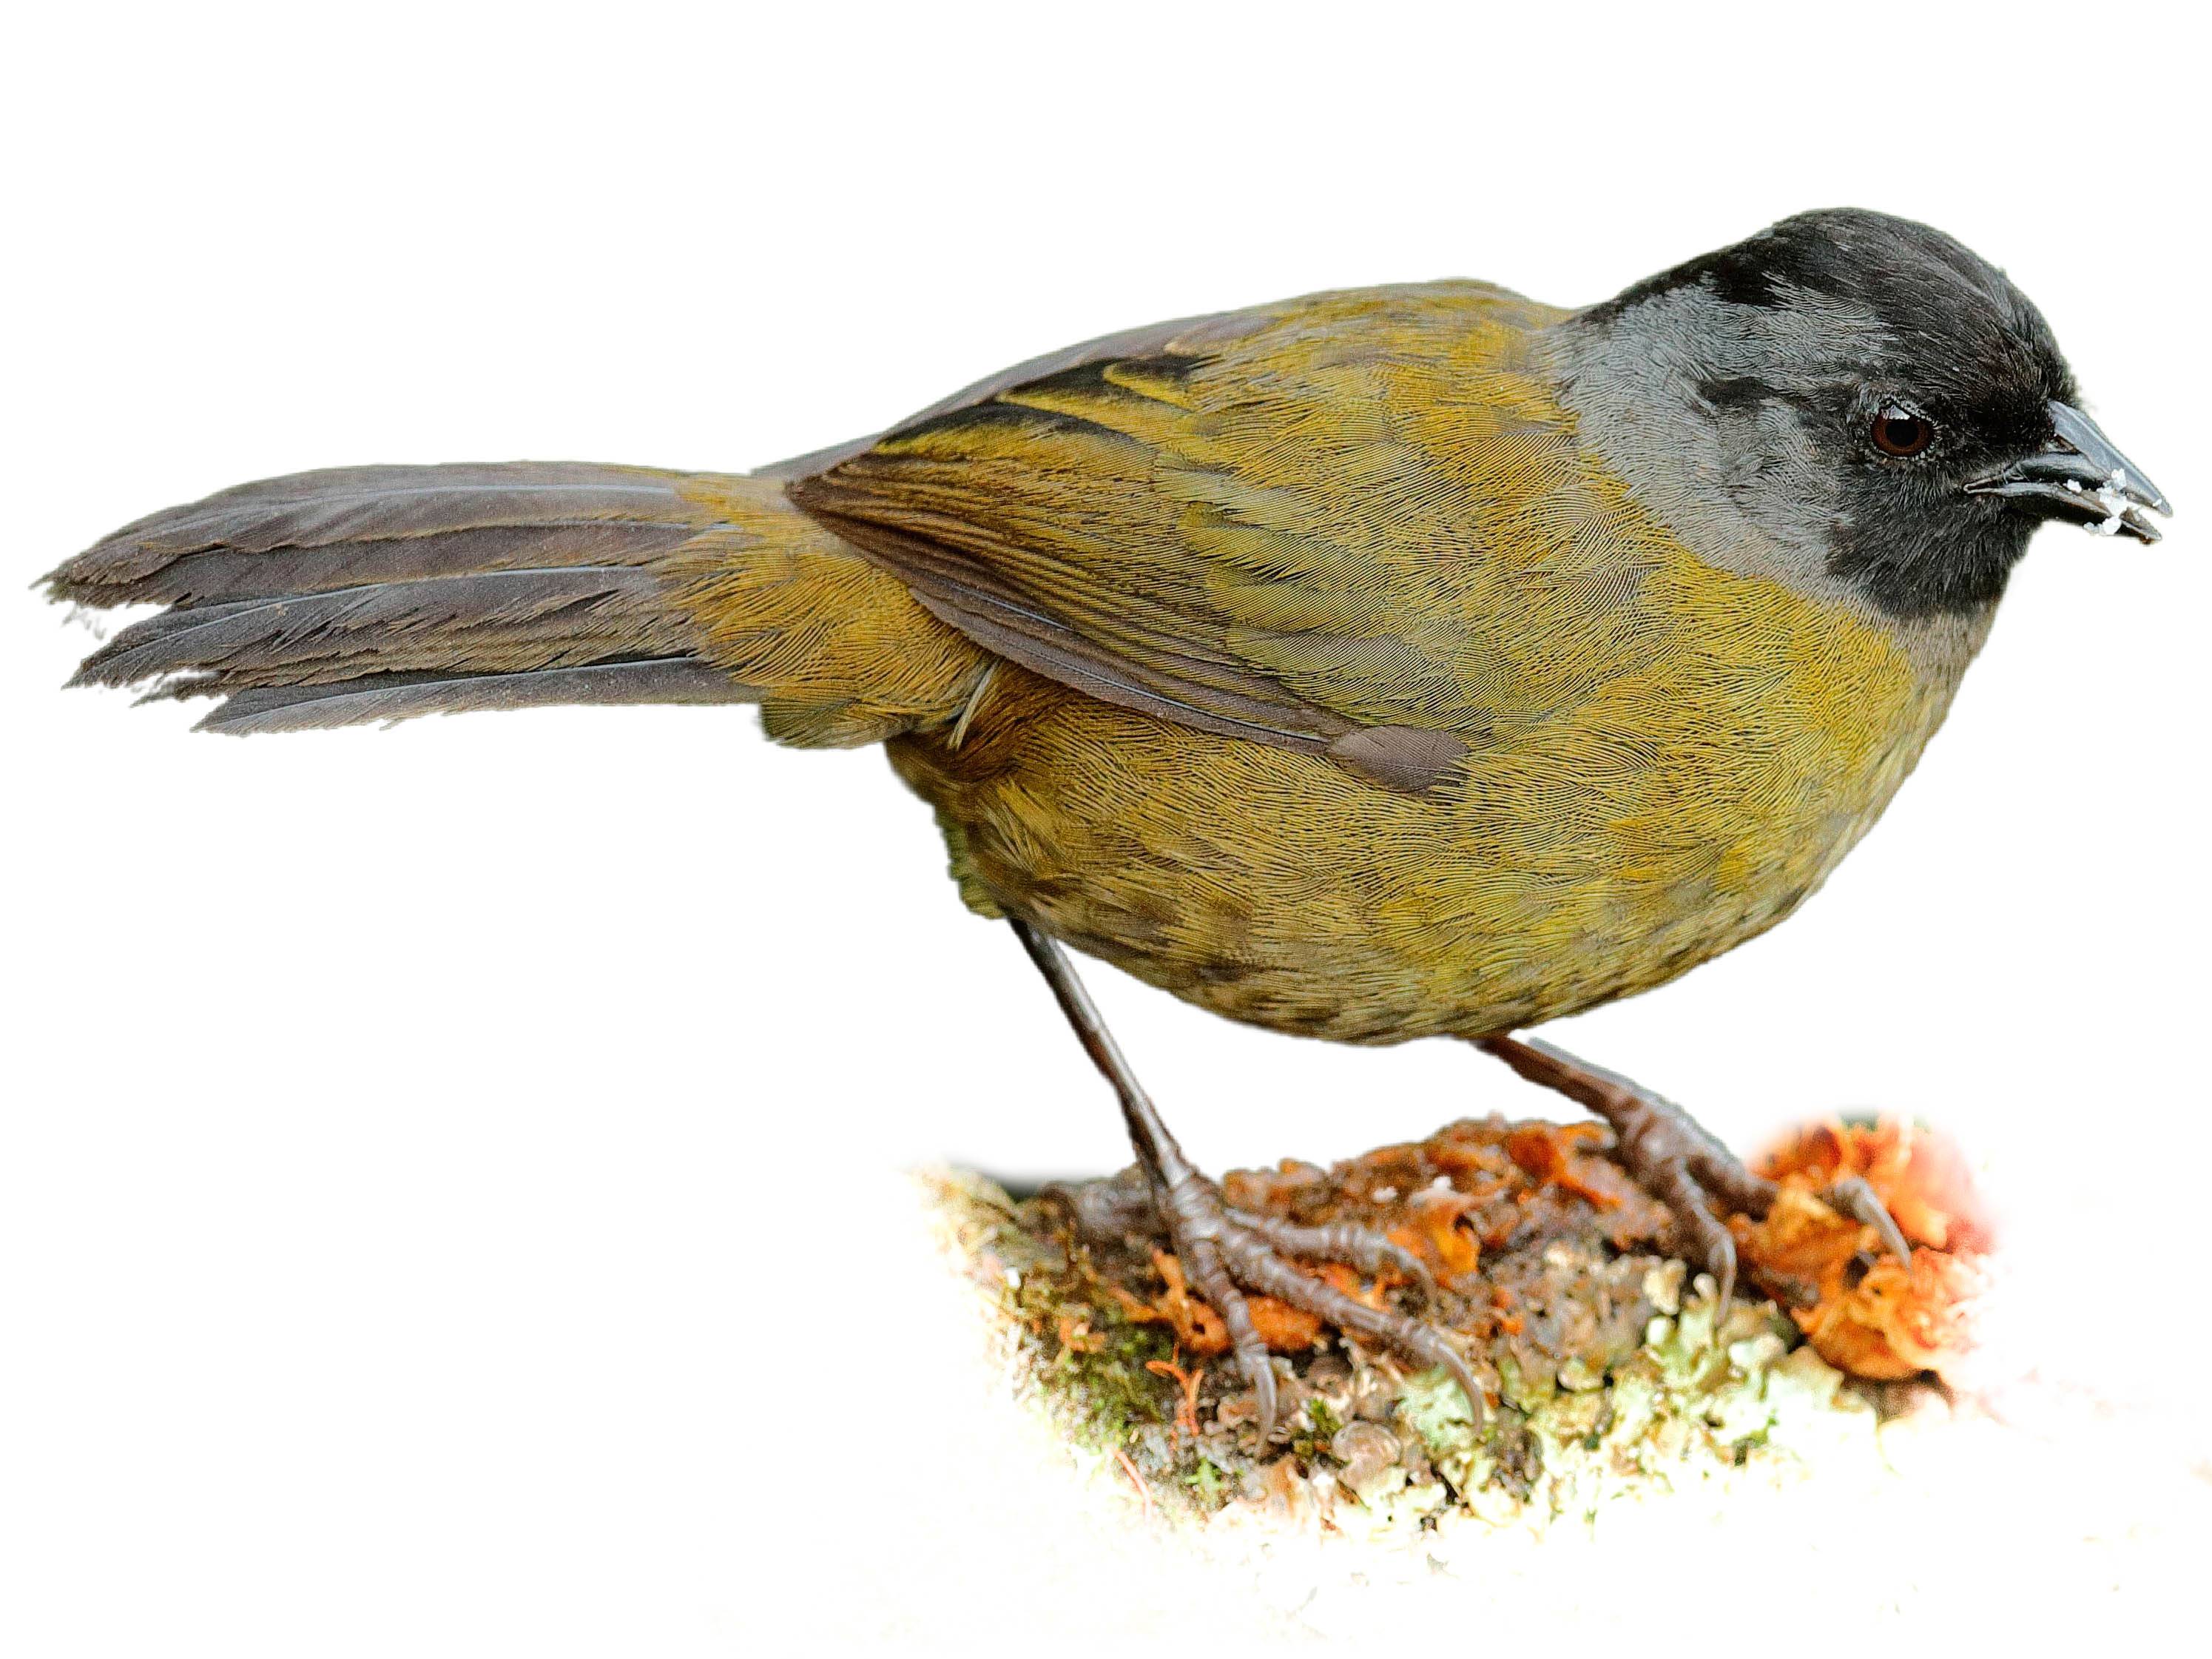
1683,811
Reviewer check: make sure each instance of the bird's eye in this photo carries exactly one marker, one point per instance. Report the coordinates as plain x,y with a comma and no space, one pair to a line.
1900,432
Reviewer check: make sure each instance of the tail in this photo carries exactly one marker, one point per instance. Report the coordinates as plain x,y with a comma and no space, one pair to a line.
377,594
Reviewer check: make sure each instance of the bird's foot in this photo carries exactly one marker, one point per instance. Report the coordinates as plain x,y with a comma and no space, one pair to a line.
1227,1253
1675,1158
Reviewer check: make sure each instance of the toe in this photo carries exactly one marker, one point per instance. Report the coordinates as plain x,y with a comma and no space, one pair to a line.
1252,1262
1703,1238
1346,1241
1104,1211
1226,1252
1723,1174
1212,1280
1853,1197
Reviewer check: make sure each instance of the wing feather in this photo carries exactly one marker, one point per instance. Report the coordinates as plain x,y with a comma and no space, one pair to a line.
1354,523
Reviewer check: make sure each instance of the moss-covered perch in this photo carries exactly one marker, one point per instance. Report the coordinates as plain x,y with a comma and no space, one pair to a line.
1607,1374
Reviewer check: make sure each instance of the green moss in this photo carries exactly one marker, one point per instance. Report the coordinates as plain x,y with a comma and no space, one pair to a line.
1657,1385
1208,1483
1101,1378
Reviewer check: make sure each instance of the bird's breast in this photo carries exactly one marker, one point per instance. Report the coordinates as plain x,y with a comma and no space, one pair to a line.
1686,807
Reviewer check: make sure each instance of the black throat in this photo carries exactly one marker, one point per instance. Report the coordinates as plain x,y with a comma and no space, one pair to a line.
1918,560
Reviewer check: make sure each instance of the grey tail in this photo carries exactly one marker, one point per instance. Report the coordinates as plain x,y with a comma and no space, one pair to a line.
375,593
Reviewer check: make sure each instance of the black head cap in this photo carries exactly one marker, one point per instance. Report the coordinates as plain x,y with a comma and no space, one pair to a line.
1842,313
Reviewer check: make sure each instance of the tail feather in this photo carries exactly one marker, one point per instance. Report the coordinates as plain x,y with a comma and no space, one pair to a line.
494,621
378,593
364,593
214,574
312,531
399,696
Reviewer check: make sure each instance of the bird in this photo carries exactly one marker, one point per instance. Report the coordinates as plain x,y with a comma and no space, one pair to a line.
1398,662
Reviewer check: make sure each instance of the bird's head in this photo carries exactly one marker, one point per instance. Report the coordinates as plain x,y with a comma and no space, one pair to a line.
1882,405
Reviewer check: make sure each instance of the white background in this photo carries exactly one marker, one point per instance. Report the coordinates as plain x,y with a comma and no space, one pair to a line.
443,1173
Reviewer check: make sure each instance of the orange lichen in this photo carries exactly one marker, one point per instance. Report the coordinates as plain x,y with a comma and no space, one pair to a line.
1552,1153
1143,1491
1481,1201
1864,1310
1198,1328
1368,1292
1188,1382
1284,1329
1196,1325
1920,1175
1437,1234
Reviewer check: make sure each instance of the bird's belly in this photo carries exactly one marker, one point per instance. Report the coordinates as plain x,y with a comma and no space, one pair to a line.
1586,859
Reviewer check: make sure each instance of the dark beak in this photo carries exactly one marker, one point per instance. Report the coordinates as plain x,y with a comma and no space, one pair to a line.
2082,479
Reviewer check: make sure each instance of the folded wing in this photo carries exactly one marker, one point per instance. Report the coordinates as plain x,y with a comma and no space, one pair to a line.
1355,524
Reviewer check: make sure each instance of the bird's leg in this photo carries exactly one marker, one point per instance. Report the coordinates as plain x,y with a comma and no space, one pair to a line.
1226,1252
1675,1159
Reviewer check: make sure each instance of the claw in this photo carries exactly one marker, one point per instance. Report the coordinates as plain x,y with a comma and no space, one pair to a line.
1204,1264
1260,1374
1853,1197
1724,1276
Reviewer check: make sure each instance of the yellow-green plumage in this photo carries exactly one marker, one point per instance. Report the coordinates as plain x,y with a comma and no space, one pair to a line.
1358,510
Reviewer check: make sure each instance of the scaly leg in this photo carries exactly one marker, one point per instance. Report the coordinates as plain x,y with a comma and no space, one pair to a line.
1675,1160
1226,1252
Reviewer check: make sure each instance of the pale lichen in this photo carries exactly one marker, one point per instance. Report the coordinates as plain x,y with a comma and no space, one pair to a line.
1614,1373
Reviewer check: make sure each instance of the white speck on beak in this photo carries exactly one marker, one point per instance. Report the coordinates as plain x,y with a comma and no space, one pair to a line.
2109,498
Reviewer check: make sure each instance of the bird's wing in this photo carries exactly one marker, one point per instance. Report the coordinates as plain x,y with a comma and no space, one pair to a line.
1355,522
